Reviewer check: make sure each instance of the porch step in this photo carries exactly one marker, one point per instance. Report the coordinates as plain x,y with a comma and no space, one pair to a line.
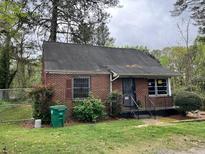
147,114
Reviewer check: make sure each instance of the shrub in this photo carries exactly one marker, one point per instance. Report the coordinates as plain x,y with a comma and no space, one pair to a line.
89,109
114,103
188,101
203,103
42,100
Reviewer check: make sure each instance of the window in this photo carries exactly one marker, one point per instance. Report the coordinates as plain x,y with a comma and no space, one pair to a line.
151,86
81,87
157,87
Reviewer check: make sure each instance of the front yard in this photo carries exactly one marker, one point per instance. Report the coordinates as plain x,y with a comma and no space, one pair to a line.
120,136
15,111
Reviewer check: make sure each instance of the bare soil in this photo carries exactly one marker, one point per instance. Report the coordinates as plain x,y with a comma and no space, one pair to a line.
194,150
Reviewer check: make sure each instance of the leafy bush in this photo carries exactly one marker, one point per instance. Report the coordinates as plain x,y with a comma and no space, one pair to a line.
114,102
203,103
89,109
42,97
188,101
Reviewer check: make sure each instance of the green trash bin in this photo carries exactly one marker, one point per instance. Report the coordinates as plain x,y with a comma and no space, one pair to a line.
58,115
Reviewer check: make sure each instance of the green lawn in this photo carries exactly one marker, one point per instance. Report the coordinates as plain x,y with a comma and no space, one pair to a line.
122,136
11,111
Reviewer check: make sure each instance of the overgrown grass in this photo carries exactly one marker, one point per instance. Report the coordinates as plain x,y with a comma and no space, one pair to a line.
122,136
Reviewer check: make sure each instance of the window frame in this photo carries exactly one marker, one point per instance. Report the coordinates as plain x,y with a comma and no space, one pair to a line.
89,86
156,87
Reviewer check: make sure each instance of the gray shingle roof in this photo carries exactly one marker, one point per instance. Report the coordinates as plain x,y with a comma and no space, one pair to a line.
64,57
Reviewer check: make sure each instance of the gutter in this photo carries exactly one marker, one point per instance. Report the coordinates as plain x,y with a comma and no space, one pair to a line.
116,76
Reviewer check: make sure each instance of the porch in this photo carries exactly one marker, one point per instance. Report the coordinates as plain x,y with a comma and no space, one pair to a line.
144,95
152,106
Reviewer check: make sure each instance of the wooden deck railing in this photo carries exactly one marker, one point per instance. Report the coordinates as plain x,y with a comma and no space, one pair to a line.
163,102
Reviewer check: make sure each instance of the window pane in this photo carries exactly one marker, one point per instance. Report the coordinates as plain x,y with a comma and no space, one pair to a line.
161,86
81,82
151,86
81,87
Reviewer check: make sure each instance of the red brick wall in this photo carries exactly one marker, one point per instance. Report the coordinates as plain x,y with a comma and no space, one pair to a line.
58,81
100,86
117,85
141,89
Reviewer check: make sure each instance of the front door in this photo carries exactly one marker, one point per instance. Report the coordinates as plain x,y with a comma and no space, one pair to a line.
129,91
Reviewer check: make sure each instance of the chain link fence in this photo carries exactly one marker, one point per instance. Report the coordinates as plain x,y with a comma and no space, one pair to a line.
15,105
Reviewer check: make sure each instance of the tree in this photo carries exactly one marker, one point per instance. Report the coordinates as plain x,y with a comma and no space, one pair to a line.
15,21
195,7
199,61
102,36
9,19
87,33
73,19
190,51
137,47
173,58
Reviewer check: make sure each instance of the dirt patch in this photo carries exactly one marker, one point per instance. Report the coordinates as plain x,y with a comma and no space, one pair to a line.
194,150
172,120
154,122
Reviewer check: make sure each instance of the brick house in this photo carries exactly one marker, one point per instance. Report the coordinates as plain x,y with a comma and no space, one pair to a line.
77,70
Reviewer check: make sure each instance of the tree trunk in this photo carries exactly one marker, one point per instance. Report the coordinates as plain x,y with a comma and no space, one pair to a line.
6,67
7,61
54,24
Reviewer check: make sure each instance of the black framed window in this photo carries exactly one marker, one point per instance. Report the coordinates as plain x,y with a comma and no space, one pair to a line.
81,87
162,86
151,86
157,87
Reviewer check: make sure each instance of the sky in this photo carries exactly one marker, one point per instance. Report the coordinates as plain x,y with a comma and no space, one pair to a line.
148,23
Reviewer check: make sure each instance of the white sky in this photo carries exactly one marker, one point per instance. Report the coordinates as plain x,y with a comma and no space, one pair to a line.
148,23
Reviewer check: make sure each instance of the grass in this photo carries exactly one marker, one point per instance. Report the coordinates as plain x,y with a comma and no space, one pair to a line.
122,136
11,111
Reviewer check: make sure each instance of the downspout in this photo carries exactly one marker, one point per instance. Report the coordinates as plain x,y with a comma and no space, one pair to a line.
110,83
169,86
113,74
43,73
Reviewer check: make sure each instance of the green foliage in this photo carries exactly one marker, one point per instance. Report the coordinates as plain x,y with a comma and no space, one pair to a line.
203,102
188,101
114,102
80,21
89,109
14,23
164,60
137,47
42,100
188,62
